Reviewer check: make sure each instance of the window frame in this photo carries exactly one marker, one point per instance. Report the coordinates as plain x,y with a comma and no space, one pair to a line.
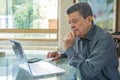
49,31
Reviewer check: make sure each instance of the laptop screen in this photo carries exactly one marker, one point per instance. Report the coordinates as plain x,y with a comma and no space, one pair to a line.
18,50
20,55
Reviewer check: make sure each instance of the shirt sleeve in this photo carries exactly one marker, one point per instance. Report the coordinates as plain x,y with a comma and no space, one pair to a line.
103,52
63,55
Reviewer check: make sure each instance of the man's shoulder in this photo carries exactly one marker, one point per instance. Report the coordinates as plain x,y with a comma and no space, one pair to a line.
101,33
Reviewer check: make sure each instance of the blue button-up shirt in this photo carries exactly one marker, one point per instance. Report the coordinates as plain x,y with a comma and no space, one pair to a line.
98,59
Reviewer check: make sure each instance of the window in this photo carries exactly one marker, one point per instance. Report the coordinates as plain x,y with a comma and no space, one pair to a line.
104,13
29,19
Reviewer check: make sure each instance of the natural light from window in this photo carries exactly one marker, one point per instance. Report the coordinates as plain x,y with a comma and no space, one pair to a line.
29,15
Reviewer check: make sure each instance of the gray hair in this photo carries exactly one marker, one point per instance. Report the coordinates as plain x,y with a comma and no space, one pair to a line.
83,8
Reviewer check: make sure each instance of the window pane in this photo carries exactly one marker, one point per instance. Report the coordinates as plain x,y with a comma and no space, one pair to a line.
28,14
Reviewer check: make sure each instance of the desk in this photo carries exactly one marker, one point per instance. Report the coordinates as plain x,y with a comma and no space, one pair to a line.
9,69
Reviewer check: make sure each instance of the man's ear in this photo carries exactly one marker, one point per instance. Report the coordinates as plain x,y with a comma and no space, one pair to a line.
89,19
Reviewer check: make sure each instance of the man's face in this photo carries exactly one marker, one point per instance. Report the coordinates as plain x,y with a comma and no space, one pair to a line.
79,25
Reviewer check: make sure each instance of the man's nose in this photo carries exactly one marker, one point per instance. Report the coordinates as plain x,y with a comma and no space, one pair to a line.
72,26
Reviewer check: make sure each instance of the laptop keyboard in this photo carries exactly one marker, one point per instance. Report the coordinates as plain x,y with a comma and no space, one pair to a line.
42,68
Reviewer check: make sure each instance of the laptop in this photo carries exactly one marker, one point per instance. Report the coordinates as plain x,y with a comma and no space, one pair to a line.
36,69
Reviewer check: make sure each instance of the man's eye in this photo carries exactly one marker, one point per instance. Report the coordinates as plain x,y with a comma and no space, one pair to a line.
74,21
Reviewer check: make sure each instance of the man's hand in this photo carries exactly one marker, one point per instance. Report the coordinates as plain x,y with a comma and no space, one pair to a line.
54,55
69,40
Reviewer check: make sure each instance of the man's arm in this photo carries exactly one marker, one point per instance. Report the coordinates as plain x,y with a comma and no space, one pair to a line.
101,55
63,55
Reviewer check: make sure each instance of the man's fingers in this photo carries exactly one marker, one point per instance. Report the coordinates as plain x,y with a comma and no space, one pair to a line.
72,34
57,57
48,55
51,54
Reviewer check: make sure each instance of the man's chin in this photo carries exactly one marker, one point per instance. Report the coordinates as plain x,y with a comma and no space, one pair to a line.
76,35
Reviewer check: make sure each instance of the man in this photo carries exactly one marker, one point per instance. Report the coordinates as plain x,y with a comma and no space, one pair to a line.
89,48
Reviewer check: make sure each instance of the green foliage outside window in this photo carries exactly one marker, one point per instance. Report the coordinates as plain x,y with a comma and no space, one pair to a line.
23,15
30,14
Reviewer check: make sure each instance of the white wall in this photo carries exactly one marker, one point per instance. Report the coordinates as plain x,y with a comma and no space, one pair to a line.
63,22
